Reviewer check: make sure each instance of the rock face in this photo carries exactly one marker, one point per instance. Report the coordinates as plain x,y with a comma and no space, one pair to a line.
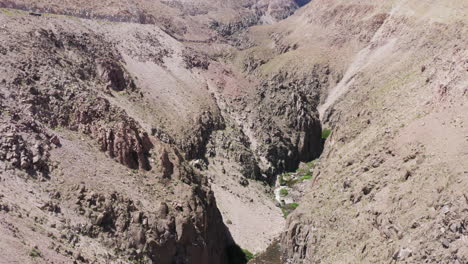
384,190
122,141
66,105
25,145
71,104
289,103
115,76
161,236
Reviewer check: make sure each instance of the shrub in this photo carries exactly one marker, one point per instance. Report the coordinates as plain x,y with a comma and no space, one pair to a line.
288,208
306,177
248,255
294,205
326,133
312,163
35,253
284,192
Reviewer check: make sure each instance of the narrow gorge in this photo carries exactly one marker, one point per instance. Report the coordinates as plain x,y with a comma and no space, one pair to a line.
241,131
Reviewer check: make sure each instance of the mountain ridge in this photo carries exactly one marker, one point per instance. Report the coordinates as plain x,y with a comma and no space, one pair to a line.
160,132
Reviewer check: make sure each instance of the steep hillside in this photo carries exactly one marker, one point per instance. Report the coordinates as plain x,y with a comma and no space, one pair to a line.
191,20
391,184
80,166
97,92
185,131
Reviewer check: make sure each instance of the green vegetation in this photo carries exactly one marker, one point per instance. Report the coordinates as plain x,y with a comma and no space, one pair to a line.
311,164
284,192
294,205
238,255
288,208
290,179
306,177
326,133
249,255
302,174
35,253
281,179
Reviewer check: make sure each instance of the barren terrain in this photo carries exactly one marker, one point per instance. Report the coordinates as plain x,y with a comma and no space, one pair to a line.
208,131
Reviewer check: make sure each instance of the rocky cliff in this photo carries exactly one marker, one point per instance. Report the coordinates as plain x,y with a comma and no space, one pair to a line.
89,172
390,186
177,131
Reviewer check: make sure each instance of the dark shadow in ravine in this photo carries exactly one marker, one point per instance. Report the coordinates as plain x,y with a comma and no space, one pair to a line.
302,2
235,254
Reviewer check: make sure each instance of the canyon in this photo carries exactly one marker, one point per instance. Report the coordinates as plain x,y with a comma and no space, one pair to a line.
259,131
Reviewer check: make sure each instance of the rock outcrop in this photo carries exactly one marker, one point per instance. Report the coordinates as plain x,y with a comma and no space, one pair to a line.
70,102
25,145
65,93
287,122
165,235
